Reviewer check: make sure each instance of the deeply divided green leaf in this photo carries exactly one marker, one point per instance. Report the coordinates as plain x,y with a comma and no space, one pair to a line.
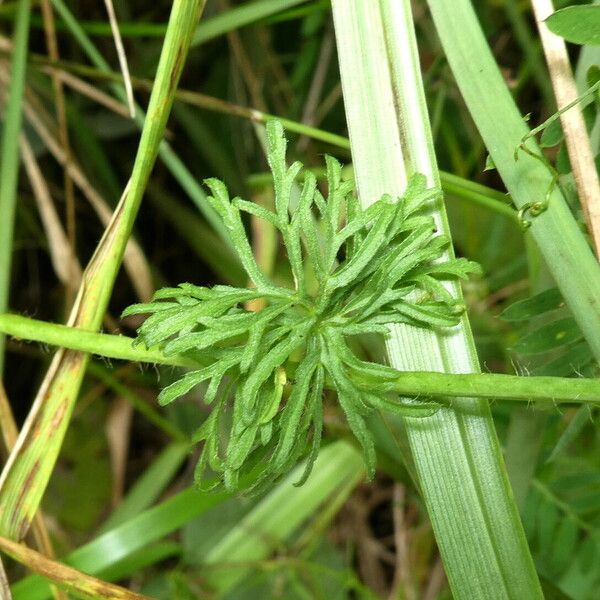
267,369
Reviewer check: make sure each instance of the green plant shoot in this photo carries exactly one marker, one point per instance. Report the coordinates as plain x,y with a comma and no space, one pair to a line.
356,271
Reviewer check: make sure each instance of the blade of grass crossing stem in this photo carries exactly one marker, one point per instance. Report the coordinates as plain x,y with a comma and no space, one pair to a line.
567,253
455,452
9,155
338,468
25,476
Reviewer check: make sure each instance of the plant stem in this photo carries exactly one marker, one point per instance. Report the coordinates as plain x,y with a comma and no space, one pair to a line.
419,384
495,386
102,344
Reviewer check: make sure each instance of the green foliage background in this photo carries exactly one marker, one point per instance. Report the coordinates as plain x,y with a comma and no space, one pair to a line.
336,537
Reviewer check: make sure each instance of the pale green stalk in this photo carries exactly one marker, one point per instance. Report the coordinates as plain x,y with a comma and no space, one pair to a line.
9,155
455,452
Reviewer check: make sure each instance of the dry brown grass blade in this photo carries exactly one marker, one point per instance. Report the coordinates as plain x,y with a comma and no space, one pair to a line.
264,243
135,261
71,579
316,87
117,429
4,587
403,584
252,81
112,17
65,263
577,140
90,91
437,581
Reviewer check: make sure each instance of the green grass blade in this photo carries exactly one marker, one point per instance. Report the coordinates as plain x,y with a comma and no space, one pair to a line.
455,452
502,128
476,193
149,486
9,155
338,467
30,464
123,541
